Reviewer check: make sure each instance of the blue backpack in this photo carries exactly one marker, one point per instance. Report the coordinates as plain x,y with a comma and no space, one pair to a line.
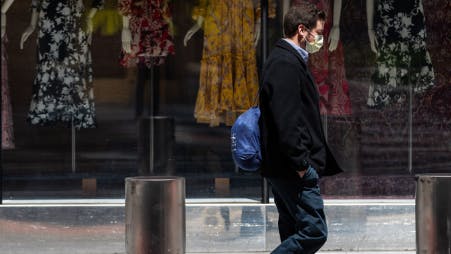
245,135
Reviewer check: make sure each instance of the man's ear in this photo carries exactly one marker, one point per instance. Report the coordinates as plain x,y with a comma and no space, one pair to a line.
301,28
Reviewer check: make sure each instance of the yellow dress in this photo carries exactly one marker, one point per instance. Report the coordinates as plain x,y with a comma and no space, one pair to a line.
228,75
108,19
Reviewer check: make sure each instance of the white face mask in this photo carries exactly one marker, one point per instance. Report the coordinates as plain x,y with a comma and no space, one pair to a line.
315,46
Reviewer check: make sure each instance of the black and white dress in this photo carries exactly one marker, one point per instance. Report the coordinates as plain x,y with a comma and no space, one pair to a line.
62,90
403,61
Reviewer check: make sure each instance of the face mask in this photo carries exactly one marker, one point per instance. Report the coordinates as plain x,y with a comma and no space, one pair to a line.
315,46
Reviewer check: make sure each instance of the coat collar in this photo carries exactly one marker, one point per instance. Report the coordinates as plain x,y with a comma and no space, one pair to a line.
304,54
285,45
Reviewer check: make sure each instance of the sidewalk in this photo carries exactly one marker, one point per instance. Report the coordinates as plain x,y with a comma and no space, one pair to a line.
378,226
327,252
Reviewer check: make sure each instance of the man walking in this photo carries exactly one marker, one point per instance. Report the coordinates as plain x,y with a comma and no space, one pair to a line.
294,150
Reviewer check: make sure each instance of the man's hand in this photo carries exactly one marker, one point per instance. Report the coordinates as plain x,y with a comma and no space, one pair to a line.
302,173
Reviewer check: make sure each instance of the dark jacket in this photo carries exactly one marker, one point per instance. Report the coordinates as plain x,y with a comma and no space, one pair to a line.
290,123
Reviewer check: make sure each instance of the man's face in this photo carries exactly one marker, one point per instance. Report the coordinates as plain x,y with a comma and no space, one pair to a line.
309,34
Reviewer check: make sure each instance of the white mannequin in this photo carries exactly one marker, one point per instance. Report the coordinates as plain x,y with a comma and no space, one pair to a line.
370,19
196,27
126,35
34,20
89,26
334,35
5,7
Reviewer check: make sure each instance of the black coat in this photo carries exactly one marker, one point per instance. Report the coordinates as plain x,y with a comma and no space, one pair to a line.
290,124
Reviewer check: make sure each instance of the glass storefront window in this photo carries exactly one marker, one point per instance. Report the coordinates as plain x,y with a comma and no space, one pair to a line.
165,106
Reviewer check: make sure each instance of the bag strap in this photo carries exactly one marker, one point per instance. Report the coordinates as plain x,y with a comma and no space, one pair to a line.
256,101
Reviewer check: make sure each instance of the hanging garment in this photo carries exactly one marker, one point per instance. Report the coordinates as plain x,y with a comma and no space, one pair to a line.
108,20
328,68
63,90
7,116
403,61
228,74
151,29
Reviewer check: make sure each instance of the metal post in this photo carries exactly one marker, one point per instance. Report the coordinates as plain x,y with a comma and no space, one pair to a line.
156,145
410,122
433,214
73,147
155,215
1,149
152,125
1,133
264,52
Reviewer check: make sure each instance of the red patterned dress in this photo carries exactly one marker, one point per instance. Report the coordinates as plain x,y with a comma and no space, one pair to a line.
328,68
150,26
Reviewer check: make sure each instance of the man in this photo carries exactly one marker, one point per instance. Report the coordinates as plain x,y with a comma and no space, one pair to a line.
294,149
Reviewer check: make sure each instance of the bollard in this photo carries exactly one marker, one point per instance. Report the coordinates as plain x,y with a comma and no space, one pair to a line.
155,215
433,214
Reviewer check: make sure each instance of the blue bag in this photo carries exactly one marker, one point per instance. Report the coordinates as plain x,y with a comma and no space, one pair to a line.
245,135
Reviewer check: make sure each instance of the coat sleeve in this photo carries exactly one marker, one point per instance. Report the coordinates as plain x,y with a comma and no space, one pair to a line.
282,85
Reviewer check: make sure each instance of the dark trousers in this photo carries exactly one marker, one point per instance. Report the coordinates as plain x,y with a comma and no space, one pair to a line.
302,223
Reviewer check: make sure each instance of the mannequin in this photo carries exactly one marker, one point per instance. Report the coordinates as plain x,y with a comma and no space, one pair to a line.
7,119
126,35
63,86
5,7
89,26
30,29
143,72
370,20
198,25
108,21
147,32
193,30
34,19
327,65
200,20
228,76
403,64
147,40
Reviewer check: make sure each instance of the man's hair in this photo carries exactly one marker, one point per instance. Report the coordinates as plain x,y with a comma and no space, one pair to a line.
307,15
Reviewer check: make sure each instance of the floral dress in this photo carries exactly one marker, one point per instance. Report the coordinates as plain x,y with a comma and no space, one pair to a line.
403,61
150,26
7,117
328,68
63,90
228,74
